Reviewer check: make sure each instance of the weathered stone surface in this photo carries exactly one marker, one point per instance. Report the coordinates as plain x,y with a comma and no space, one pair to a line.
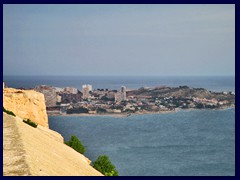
26,104
39,152
14,160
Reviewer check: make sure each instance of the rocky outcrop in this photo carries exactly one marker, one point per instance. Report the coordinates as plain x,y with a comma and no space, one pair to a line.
36,151
26,104
39,152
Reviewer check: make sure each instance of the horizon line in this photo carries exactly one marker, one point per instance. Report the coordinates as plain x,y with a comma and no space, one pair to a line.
120,75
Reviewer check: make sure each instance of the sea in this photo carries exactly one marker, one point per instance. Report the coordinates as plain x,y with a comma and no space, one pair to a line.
213,83
182,143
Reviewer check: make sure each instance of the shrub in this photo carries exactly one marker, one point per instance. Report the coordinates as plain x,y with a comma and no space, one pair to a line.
9,112
199,105
76,144
29,122
112,173
77,110
101,110
104,165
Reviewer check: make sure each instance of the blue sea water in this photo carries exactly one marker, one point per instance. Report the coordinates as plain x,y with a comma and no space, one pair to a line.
185,143
189,142
213,83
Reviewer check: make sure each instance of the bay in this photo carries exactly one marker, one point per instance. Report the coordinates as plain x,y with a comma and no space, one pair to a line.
185,143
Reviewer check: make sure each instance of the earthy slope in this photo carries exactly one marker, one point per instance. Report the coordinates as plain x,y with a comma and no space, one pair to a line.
39,151
181,91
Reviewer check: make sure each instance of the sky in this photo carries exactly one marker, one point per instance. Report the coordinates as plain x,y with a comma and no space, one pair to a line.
113,40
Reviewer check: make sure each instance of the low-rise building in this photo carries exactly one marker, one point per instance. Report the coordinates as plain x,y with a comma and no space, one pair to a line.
68,97
50,94
71,90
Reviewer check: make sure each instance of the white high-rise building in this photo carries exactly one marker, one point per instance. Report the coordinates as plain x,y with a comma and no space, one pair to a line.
123,93
87,86
85,90
121,96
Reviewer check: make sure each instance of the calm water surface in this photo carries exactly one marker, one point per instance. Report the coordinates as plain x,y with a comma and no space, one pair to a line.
213,83
196,142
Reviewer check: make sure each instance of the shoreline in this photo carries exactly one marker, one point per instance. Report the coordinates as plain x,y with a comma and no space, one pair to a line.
114,114
134,114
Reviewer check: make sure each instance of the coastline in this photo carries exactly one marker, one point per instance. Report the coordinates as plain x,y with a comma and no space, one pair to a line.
114,114
117,115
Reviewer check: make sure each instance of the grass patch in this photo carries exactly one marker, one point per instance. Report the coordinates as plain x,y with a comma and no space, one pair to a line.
29,122
8,112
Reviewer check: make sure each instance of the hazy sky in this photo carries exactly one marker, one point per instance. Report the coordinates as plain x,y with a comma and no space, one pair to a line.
118,39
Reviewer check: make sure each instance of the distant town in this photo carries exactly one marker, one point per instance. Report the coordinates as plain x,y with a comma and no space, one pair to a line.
70,100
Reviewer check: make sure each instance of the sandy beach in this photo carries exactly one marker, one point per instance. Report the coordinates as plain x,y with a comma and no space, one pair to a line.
114,114
117,115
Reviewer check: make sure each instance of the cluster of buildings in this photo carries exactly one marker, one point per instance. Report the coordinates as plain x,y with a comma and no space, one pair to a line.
205,101
50,94
59,99
71,100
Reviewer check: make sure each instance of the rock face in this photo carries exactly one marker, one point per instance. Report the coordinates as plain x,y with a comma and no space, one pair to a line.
39,152
36,151
26,104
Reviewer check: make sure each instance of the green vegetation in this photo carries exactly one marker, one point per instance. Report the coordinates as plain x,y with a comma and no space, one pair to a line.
29,122
101,110
104,165
199,106
77,110
9,112
76,144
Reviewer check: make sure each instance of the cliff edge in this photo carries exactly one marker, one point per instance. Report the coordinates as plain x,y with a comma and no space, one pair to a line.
26,104
36,151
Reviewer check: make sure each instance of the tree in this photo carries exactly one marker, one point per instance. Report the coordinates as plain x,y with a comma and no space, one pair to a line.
76,144
104,165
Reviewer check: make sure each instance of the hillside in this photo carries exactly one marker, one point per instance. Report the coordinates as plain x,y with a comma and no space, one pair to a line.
181,92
